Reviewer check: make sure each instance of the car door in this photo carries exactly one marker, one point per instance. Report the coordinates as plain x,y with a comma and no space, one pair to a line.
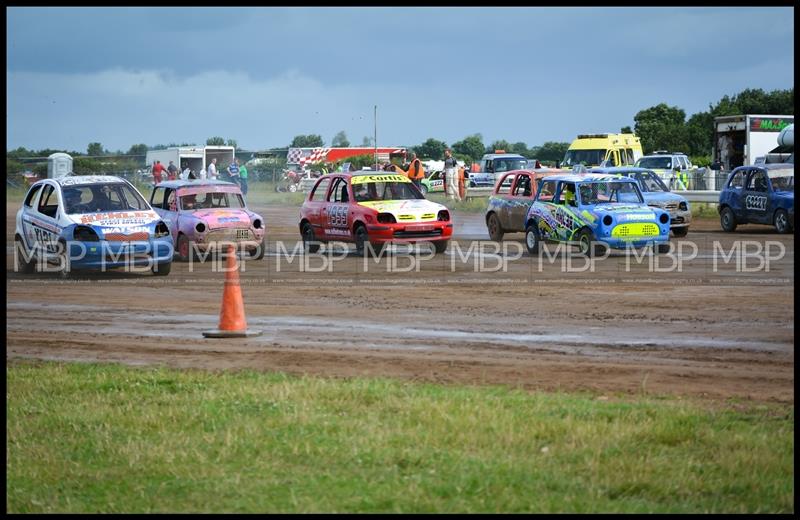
163,201
26,217
315,205
503,198
337,214
756,197
520,201
563,211
733,194
44,218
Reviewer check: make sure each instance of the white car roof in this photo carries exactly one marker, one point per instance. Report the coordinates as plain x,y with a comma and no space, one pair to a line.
75,180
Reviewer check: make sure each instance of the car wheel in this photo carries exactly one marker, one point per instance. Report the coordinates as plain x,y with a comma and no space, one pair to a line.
292,188
162,269
258,253
309,241
532,238
64,267
587,245
493,224
440,246
782,224
361,240
26,266
424,190
727,219
661,248
680,232
182,250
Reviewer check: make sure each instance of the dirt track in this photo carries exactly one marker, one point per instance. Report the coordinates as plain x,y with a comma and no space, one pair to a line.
700,332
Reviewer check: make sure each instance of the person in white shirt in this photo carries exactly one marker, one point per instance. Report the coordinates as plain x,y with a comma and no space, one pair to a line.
212,169
185,173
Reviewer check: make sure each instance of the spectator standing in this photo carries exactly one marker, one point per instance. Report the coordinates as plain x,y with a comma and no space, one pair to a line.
212,170
243,178
172,172
233,171
416,172
158,172
186,172
451,176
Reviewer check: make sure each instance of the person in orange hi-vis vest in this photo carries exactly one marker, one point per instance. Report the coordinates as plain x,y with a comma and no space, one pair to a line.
416,172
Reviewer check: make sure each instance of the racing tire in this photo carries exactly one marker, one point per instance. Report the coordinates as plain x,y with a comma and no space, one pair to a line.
162,269
495,230
26,267
424,190
293,188
258,253
680,232
440,246
661,249
310,244
532,239
361,240
727,219
64,267
782,224
587,245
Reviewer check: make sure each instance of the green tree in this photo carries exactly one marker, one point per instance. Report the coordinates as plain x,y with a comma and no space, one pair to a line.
340,140
138,149
367,141
502,144
520,148
551,151
95,149
307,141
470,147
626,130
215,141
431,149
231,142
661,127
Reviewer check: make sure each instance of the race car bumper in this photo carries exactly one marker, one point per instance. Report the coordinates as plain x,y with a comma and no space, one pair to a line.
680,218
635,242
103,254
409,233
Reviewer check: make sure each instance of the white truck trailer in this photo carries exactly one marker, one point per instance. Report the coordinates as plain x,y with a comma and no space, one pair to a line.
197,158
740,140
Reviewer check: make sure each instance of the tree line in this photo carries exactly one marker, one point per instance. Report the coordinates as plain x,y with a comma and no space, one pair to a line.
660,127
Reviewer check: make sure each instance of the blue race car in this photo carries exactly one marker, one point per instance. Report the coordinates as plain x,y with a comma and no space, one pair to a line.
90,222
759,194
596,212
657,195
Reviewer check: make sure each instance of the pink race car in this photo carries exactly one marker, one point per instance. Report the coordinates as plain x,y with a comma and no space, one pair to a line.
205,215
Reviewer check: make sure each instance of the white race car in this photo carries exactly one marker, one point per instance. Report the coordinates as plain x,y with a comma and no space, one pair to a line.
89,222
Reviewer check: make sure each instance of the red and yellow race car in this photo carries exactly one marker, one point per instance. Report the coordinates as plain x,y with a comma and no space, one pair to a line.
370,207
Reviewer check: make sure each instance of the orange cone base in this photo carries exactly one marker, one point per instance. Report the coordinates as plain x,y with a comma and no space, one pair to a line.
217,333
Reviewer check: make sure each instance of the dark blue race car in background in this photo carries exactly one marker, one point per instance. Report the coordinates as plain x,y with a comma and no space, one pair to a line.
759,194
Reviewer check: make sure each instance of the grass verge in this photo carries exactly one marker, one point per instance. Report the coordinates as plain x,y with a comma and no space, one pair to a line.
108,438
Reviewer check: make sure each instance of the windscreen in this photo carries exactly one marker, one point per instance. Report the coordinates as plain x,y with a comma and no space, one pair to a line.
609,191
96,198
210,200
782,179
648,181
585,157
369,188
661,163
507,165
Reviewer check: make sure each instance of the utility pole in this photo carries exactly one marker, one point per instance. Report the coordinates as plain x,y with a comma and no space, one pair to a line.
376,137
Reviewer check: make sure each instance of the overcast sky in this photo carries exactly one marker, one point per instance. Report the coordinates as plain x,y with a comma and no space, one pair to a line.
122,76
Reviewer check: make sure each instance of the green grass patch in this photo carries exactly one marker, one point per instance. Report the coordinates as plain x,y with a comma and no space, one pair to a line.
473,205
108,438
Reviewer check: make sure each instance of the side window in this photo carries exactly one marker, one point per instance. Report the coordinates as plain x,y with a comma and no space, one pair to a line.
172,203
682,162
523,186
339,191
489,166
157,200
547,191
48,203
758,181
504,188
567,194
629,156
611,158
32,195
737,181
321,190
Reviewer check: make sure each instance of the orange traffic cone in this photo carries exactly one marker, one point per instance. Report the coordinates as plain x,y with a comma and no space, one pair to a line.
232,323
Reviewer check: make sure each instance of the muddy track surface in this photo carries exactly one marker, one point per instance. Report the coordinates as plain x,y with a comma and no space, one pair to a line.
704,330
